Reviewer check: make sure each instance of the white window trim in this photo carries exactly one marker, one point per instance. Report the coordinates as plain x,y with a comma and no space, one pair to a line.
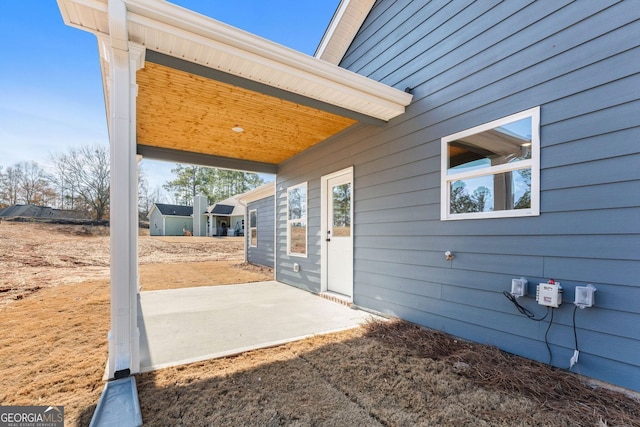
533,164
253,230
303,220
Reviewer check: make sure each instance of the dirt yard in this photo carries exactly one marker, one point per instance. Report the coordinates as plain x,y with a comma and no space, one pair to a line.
54,312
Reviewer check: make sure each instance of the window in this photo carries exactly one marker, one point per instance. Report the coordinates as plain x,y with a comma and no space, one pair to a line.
493,170
297,220
253,228
341,209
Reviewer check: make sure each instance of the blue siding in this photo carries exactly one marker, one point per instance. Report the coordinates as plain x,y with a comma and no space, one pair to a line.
468,63
263,253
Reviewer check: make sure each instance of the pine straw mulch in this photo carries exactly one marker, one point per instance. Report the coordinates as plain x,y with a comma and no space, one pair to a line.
382,374
573,400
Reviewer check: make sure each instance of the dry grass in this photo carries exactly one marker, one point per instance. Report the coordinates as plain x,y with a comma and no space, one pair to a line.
193,274
53,347
53,352
38,255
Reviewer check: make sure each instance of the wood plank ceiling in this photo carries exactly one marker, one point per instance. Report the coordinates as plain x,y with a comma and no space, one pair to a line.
180,111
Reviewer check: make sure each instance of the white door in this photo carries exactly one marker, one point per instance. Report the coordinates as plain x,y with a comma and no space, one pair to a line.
338,223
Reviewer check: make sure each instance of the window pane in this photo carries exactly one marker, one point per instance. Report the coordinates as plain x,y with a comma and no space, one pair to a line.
342,210
253,218
298,236
504,191
504,144
253,240
297,198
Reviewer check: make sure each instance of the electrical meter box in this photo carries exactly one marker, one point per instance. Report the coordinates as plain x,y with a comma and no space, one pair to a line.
549,294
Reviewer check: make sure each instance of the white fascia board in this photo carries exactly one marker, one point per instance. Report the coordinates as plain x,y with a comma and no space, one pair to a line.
153,208
261,192
323,51
344,26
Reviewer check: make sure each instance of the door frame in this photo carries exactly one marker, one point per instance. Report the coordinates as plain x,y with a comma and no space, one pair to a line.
324,225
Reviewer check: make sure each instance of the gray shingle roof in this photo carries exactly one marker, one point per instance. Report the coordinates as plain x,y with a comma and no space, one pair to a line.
222,209
176,210
30,211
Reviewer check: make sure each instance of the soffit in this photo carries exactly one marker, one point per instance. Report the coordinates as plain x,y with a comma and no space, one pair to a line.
181,111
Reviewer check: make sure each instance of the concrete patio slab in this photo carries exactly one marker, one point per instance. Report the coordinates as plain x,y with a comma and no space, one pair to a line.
192,324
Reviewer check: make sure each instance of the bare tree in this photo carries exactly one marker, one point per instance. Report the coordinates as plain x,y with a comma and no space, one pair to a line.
2,200
144,194
157,196
86,171
25,182
10,185
34,184
62,181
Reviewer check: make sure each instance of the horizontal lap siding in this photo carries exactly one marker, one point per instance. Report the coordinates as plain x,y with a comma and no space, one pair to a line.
263,253
155,223
175,226
469,63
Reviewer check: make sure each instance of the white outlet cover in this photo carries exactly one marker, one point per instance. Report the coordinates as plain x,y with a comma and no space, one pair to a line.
584,296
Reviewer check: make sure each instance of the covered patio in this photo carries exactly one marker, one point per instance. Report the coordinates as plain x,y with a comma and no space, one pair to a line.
185,88
182,87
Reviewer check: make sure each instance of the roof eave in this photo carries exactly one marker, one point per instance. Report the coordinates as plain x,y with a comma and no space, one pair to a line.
178,32
258,193
342,29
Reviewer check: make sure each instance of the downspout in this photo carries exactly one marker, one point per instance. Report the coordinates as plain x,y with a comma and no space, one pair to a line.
275,227
246,218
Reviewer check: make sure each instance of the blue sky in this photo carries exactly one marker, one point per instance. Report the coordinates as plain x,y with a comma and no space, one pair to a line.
50,86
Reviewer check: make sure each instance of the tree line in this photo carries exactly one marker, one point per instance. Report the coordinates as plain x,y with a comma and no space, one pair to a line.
79,181
215,184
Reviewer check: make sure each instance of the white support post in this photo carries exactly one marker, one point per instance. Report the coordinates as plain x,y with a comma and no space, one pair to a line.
124,59
136,62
